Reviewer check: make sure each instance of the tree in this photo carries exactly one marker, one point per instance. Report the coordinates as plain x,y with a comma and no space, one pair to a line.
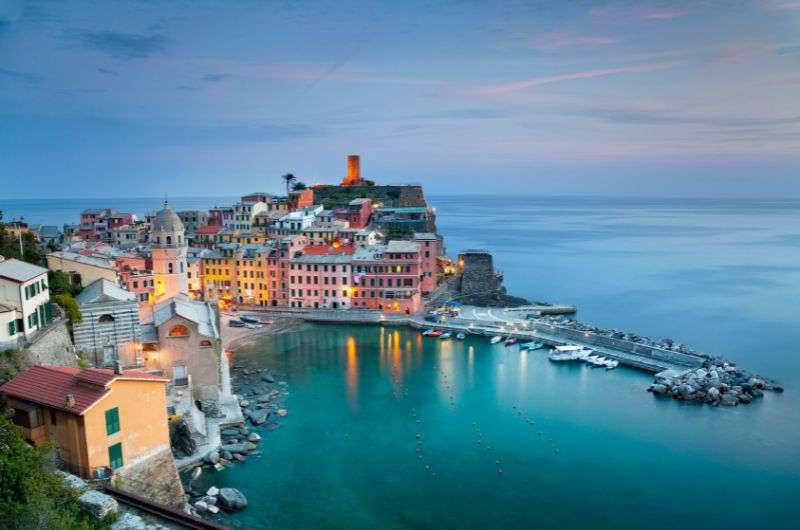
9,246
32,494
297,186
59,283
288,179
70,305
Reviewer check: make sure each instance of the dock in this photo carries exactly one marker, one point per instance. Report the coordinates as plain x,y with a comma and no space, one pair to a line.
508,323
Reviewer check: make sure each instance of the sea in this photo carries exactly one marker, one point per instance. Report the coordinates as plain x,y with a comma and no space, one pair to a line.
388,429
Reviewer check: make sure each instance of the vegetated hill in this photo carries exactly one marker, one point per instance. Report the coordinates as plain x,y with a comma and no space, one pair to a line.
387,196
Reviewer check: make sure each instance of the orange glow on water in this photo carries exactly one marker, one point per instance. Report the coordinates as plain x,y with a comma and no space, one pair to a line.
352,372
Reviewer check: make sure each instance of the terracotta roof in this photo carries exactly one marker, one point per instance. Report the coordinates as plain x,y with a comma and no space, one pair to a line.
327,250
207,229
50,385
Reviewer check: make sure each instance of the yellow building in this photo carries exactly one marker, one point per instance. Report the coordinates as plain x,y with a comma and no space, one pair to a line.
100,420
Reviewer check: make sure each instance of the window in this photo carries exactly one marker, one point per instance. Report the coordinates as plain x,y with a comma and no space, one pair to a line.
115,456
53,417
112,421
179,331
169,268
12,328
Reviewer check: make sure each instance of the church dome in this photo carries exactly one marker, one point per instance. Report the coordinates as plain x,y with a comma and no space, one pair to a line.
167,221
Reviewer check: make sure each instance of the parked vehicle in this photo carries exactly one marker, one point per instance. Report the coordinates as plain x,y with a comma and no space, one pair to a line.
235,324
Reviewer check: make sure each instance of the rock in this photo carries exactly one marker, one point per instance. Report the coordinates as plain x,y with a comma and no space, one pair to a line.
98,504
729,400
230,432
250,446
226,455
282,412
259,417
231,499
244,403
268,378
658,388
196,472
239,457
213,491
73,481
130,521
209,500
236,448
218,466
713,393
253,437
212,457
745,398
212,509
201,506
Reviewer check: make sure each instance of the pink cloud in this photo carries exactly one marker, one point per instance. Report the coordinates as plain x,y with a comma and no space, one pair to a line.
516,86
559,39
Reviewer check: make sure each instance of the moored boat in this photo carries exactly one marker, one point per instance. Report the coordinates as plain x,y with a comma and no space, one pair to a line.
461,336
496,339
510,341
445,335
436,333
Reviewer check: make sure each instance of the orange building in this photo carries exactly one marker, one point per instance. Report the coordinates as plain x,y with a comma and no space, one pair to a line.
353,177
99,420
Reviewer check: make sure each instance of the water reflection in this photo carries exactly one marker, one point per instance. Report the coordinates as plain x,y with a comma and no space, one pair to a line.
352,373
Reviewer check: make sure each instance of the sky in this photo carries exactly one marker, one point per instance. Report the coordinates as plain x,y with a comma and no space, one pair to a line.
150,98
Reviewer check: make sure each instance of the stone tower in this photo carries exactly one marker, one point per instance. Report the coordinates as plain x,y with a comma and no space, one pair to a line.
168,247
353,177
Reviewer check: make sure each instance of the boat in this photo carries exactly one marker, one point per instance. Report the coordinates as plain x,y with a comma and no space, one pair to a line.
611,364
436,333
445,335
427,332
510,341
249,319
531,346
461,336
496,339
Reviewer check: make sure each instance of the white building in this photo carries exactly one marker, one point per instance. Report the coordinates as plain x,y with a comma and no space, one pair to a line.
24,300
110,328
244,214
168,248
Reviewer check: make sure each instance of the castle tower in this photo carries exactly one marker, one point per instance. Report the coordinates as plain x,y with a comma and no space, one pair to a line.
168,247
353,177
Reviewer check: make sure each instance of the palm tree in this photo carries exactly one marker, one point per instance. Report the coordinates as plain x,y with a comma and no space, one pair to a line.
297,186
288,179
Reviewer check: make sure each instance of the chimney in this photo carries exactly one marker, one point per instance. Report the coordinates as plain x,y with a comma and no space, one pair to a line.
70,401
118,367
353,168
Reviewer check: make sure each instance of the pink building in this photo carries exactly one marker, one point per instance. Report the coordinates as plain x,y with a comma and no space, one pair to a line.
387,277
320,277
429,251
279,267
357,213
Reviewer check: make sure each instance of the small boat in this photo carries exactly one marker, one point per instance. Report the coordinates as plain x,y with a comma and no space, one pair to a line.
461,336
611,364
427,332
445,335
510,341
436,333
531,346
496,339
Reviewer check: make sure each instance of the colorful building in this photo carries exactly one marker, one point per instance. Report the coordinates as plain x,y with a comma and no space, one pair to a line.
99,420
25,300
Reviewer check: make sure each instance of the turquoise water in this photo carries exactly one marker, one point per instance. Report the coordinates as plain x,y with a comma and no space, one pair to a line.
578,447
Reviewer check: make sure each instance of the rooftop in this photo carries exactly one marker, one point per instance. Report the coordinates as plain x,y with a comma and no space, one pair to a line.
50,385
200,313
103,290
19,271
402,246
79,258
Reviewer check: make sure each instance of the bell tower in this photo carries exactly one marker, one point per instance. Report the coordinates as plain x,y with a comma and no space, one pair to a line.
168,248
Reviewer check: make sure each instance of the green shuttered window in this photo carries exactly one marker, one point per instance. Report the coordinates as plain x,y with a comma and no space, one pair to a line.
112,421
115,456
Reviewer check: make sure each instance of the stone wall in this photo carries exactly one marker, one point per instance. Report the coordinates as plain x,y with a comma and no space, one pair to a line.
155,477
477,283
50,346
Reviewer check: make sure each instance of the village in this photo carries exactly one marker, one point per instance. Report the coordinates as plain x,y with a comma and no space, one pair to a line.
127,368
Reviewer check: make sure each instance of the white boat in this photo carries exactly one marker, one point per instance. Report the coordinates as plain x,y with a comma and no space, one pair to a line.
496,339
531,346
461,336
611,364
445,335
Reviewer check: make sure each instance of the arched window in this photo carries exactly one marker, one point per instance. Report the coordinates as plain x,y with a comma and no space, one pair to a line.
205,343
169,240
169,268
179,331
105,318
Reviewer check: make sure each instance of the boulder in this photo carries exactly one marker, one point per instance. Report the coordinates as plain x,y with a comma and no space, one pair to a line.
230,432
130,521
253,437
201,506
213,491
226,455
231,499
196,472
73,481
282,412
211,457
658,388
729,399
236,448
268,378
98,504
212,509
